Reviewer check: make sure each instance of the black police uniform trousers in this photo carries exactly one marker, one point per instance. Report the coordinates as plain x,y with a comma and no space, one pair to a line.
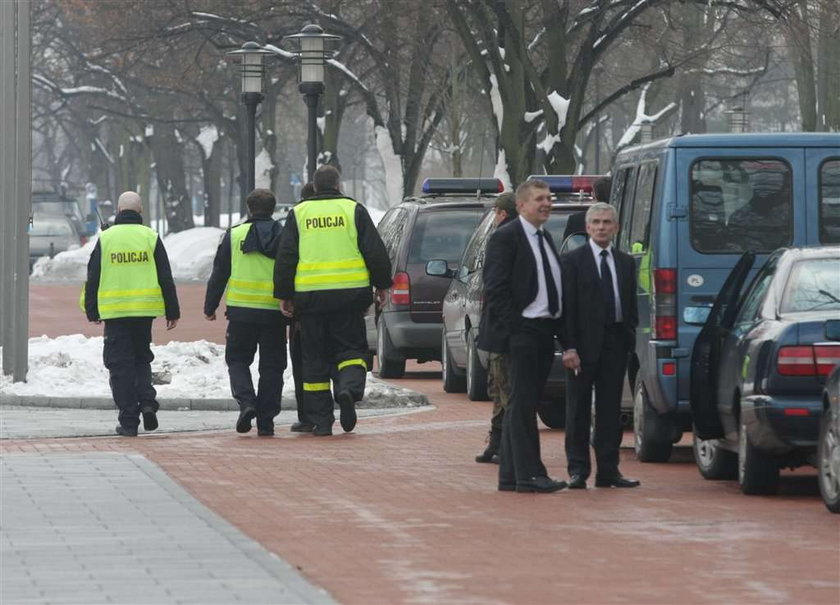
128,356
334,345
242,341
531,351
606,376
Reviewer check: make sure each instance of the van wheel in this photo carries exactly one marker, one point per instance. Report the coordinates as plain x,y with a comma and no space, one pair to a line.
651,434
713,461
452,382
391,364
552,412
828,463
476,374
758,473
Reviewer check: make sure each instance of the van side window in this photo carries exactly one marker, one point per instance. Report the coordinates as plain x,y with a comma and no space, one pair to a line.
639,235
830,202
740,204
390,228
621,197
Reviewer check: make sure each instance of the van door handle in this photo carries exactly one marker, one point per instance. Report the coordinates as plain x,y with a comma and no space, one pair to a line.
703,299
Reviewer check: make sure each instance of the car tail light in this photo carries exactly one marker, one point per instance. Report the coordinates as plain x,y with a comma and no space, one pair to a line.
83,239
826,357
797,412
669,368
796,361
664,307
401,290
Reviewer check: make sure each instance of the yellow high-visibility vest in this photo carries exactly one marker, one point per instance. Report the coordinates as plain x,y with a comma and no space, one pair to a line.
328,252
128,283
251,282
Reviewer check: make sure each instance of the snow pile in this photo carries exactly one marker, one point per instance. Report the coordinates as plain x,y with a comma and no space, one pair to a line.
191,252
70,265
71,366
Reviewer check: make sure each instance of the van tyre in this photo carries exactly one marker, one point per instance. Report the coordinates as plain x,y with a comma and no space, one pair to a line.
452,382
476,374
828,463
391,364
758,473
651,433
713,461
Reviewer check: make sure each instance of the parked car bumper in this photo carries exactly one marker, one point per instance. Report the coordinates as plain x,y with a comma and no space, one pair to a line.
779,424
414,340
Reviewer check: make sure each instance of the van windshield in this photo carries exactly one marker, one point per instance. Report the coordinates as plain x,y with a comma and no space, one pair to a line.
740,204
443,235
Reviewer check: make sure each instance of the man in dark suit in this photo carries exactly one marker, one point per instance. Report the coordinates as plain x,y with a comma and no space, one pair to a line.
524,294
600,318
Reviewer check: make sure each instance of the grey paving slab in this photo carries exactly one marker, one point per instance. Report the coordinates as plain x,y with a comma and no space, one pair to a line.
82,528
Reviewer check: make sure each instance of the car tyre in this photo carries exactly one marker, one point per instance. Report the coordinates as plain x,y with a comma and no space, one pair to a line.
758,473
713,461
828,463
476,374
452,381
391,364
651,434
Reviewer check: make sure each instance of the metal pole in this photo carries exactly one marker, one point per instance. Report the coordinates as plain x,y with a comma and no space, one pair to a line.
597,123
23,190
251,100
311,91
7,171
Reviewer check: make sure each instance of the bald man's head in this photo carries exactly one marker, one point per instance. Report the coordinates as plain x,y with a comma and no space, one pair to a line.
130,201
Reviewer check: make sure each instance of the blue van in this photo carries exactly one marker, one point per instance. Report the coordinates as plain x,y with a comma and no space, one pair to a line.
689,206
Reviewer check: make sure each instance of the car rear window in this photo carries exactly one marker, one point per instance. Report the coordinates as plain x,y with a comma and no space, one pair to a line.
442,235
740,204
830,202
813,285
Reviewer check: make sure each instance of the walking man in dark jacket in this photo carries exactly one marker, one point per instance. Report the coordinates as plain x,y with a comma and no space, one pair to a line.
329,258
244,265
129,283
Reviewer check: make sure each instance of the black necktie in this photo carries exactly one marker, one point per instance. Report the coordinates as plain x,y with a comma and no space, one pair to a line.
550,286
607,287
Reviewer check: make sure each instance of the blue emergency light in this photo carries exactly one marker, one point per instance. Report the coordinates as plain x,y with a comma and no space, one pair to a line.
462,186
567,183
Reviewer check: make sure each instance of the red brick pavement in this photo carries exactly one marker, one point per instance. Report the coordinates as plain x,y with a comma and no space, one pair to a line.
399,513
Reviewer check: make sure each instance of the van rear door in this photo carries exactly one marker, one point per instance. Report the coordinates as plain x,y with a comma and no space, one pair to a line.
728,201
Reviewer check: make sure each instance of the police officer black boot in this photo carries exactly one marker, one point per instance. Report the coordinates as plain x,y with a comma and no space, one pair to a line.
491,452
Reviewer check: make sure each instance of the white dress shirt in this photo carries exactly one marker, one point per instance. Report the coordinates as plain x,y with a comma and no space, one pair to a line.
539,307
596,251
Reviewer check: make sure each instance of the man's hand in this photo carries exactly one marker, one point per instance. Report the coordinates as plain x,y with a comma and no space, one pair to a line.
287,307
571,361
95,321
211,317
381,297
171,323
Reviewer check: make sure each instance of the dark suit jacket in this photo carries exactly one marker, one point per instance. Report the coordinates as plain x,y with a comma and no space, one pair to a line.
510,284
584,306
576,223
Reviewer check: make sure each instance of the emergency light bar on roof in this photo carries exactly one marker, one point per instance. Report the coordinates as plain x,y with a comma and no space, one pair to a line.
558,183
463,186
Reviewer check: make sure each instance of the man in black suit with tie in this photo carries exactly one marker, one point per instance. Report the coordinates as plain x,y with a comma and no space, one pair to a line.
524,294
600,317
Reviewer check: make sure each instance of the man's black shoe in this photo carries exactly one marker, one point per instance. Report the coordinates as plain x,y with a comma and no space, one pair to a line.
577,482
348,411
616,481
507,487
541,485
125,431
265,432
150,421
243,425
302,427
322,431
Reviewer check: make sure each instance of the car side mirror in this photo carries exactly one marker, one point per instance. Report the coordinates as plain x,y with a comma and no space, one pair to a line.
439,268
832,329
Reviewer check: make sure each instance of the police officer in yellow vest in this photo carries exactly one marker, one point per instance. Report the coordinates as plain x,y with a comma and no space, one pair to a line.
129,283
244,264
329,258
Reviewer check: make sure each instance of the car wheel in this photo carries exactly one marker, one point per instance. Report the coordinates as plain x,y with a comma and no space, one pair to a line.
476,374
828,463
651,433
713,461
758,473
452,382
391,364
552,412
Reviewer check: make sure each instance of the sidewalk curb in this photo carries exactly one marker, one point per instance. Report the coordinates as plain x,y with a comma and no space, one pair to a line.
407,398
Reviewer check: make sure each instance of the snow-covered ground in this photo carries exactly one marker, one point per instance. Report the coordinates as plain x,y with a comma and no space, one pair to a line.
190,253
72,366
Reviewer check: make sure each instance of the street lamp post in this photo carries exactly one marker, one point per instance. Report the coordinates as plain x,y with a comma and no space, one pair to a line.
312,53
252,71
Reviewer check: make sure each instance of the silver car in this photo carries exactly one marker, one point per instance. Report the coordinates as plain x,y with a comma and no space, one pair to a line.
50,235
